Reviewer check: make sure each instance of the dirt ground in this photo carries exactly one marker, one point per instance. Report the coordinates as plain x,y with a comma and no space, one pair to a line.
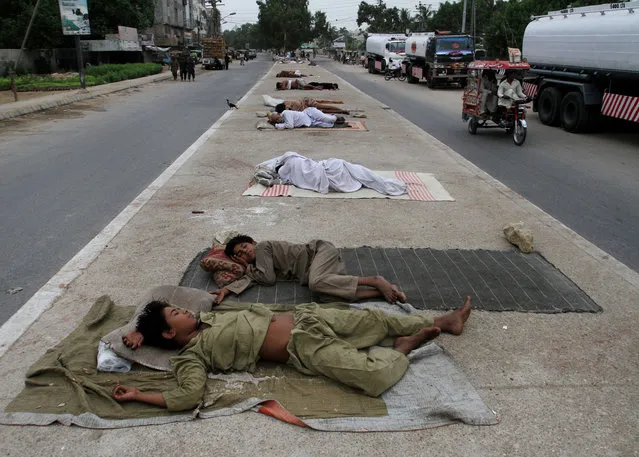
6,96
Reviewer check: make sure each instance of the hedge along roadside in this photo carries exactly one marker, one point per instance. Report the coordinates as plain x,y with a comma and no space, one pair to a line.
95,75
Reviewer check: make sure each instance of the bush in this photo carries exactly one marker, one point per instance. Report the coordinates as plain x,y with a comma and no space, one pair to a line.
101,74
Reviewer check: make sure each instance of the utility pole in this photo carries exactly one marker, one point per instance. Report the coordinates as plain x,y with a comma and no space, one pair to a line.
24,42
463,30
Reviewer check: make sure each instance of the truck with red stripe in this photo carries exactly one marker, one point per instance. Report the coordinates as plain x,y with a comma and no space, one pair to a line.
438,58
586,63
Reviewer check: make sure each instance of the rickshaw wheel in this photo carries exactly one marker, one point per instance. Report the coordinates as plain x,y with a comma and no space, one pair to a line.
519,133
472,126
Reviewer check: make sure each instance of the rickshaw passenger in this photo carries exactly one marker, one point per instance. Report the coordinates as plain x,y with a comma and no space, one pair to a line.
488,92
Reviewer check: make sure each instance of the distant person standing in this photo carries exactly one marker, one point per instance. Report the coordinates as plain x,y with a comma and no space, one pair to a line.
227,60
242,59
246,55
183,64
190,68
174,67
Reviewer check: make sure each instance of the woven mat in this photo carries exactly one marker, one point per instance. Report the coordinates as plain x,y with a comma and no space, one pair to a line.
439,279
421,187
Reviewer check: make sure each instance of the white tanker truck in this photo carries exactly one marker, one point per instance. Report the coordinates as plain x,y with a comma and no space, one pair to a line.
381,48
586,63
438,58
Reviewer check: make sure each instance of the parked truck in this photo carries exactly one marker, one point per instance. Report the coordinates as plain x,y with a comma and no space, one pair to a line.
381,48
212,48
585,62
438,58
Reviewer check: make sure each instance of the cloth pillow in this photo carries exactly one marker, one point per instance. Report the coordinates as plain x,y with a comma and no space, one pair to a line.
196,300
223,269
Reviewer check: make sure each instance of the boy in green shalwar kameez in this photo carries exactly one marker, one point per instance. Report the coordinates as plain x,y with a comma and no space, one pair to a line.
314,340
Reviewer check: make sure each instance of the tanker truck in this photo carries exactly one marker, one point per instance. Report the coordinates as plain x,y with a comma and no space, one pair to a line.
381,48
585,62
438,57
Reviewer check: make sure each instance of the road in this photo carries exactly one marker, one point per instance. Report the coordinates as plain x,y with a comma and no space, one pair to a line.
589,182
66,173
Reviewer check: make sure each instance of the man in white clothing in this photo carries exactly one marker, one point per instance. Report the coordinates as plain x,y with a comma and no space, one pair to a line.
310,117
510,90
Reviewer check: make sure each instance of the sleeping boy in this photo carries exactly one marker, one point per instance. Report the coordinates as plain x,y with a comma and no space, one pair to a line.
313,340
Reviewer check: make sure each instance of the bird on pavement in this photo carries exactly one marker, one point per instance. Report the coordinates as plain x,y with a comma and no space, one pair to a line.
231,105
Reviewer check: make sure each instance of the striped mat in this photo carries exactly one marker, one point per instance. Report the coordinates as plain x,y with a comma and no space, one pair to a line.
421,187
438,279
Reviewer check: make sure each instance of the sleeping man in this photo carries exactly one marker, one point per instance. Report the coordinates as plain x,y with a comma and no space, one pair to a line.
310,117
300,84
313,340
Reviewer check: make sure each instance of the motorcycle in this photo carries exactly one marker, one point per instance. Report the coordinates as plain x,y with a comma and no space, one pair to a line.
512,119
394,70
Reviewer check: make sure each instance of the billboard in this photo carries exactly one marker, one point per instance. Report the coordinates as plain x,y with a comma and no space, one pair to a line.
74,15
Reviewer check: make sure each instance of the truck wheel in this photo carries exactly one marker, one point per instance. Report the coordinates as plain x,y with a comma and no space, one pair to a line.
573,112
431,83
371,66
548,106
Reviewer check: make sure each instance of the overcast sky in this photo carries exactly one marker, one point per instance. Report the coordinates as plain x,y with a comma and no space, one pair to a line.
340,13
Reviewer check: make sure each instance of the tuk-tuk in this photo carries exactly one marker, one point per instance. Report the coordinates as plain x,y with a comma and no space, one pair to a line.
480,100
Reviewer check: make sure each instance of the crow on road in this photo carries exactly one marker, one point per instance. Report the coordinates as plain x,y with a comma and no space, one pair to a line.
231,105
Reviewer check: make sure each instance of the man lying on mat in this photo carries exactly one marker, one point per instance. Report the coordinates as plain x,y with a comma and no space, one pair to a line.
310,117
316,264
315,341
291,74
301,104
300,84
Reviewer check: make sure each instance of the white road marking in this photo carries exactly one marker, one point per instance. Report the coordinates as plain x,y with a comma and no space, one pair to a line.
13,328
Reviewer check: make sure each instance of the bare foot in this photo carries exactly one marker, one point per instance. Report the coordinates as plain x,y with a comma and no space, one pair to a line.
401,296
405,344
454,321
386,289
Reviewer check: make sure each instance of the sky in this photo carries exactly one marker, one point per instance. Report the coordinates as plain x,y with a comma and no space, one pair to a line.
340,13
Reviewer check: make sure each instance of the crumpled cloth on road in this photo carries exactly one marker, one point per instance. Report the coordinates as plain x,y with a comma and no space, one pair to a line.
335,175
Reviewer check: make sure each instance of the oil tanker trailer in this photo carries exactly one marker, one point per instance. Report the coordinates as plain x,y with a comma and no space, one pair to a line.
586,63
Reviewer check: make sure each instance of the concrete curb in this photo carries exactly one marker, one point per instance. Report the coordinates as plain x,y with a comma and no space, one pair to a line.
33,106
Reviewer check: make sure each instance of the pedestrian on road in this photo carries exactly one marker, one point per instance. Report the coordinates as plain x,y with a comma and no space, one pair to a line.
190,68
242,59
182,59
175,65
227,59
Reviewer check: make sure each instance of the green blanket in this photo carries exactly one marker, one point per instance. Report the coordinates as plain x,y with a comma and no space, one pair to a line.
65,383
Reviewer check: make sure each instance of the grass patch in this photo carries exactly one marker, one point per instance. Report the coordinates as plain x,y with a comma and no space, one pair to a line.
101,74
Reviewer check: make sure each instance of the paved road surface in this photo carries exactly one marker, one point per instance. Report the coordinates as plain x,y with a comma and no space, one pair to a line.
66,173
590,182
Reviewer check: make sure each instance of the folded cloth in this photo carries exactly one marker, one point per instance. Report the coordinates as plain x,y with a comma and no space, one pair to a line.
270,101
336,175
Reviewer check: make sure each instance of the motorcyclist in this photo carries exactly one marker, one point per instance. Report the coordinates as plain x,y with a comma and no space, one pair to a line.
510,91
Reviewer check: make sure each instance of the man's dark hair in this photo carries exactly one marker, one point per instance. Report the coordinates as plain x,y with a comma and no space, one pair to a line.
151,323
228,250
280,107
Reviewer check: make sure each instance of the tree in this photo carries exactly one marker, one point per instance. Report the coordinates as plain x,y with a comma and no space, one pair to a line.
284,24
46,32
246,33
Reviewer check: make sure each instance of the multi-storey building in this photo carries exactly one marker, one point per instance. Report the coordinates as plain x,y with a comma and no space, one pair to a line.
181,22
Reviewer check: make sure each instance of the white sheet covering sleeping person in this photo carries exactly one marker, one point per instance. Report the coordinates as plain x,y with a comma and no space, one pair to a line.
334,175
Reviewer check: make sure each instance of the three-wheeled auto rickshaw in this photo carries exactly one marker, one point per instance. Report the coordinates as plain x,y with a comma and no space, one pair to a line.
485,106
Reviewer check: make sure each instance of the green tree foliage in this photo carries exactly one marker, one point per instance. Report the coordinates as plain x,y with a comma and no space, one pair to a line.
284,24
106,15
46,32
246,33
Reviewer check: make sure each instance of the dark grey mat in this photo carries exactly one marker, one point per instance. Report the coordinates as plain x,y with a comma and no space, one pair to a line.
434,279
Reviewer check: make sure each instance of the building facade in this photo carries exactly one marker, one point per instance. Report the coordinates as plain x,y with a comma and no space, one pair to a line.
181,22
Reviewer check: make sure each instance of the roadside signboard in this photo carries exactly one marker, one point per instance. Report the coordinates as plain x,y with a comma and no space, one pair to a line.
74,15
